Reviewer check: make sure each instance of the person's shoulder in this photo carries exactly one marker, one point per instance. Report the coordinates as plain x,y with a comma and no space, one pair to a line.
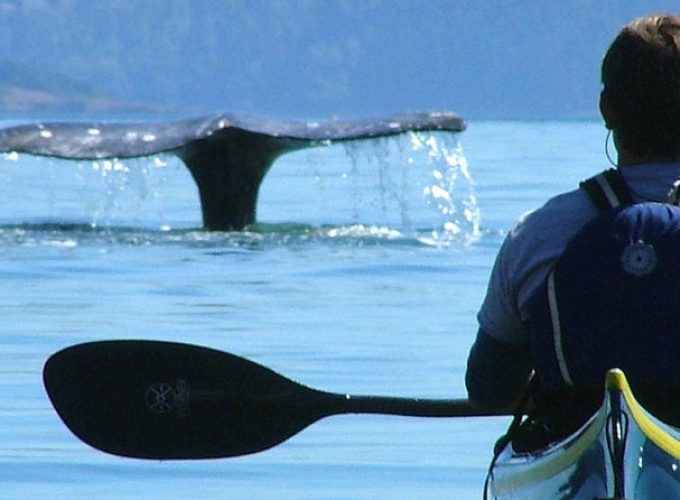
524,259
538,239
561,214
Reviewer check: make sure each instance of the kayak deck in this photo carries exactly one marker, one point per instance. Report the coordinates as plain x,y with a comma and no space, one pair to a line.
621,452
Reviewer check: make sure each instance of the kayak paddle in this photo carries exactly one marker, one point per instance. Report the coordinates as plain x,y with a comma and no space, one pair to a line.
167,400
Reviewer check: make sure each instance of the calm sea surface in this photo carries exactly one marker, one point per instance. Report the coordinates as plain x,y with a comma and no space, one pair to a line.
363,275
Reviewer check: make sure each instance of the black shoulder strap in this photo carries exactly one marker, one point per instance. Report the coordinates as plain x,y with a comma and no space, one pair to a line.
608,190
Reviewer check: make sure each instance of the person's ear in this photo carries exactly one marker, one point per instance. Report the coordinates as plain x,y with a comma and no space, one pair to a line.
606,111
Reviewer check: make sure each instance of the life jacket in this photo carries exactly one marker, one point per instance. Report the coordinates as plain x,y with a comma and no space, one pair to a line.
613,297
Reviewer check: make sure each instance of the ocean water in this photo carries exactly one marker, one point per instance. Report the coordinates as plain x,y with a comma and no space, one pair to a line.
363,275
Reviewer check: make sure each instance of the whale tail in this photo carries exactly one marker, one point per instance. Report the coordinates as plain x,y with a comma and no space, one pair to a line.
228,156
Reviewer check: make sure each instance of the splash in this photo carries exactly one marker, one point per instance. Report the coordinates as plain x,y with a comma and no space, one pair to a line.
423,183
116,182
109,192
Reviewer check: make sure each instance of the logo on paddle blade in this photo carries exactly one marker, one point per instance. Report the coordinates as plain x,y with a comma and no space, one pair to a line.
161,397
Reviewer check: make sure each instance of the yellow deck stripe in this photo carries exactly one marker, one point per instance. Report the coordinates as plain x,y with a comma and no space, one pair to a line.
656,434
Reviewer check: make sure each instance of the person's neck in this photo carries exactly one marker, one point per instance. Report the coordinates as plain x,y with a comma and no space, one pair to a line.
626,160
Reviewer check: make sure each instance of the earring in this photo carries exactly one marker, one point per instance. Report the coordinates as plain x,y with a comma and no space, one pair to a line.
606,148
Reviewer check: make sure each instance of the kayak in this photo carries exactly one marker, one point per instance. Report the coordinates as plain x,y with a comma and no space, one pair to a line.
621,453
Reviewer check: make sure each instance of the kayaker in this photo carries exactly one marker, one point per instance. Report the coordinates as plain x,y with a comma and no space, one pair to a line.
640,104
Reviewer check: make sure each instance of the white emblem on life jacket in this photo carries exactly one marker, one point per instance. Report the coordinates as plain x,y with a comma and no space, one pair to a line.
639,258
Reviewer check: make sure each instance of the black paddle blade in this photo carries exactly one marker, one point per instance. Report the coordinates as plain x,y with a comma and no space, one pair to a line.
165,400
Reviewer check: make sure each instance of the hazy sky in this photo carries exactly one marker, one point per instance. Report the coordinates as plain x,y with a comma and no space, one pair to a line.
315,58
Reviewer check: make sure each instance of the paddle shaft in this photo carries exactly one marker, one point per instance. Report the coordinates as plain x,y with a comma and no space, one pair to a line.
414,407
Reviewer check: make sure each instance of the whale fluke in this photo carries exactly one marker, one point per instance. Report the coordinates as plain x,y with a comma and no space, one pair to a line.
227,156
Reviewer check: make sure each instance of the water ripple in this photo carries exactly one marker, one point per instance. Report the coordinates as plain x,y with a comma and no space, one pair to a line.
259,236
